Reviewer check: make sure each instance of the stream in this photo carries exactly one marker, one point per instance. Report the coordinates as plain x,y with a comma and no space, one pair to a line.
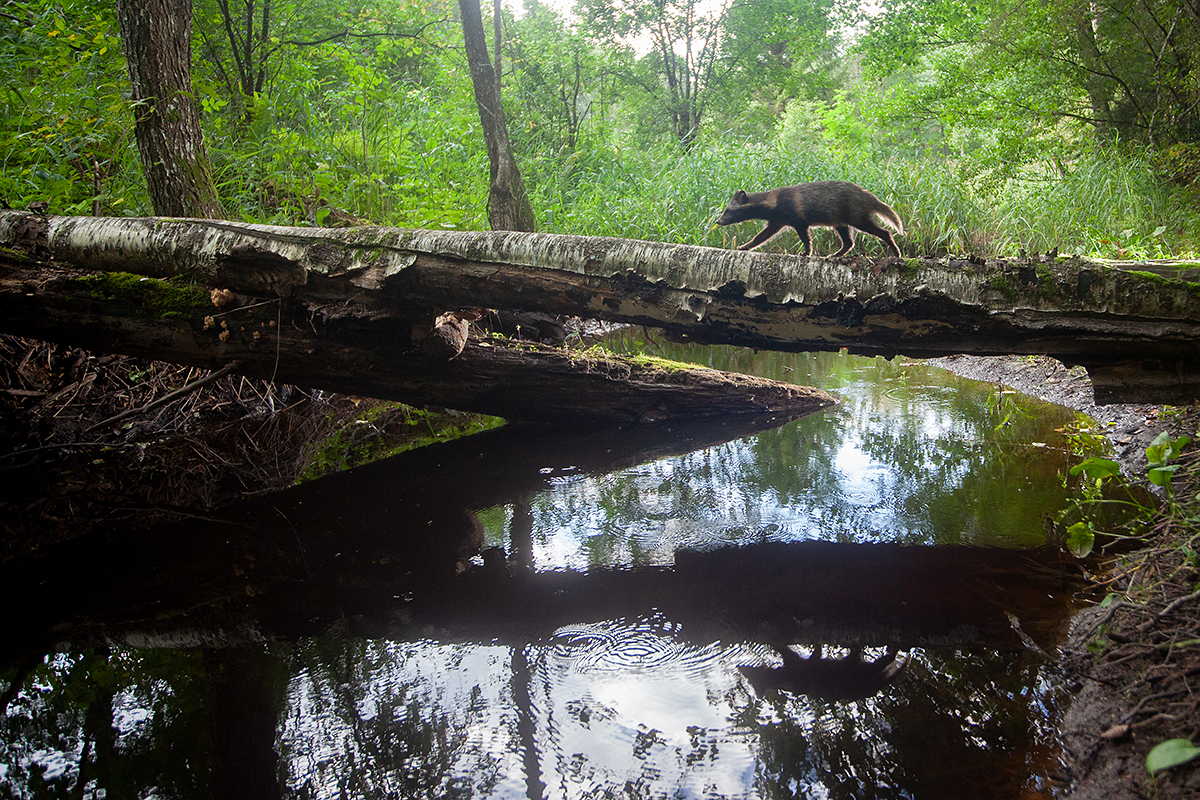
856,604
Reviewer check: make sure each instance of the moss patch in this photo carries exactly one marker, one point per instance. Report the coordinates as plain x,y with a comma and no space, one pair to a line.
386,429
149,297
660,364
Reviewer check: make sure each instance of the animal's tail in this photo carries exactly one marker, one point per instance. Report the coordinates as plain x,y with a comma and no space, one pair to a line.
885,213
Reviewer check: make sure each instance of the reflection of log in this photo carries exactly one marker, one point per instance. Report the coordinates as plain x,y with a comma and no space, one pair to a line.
1136,332
385,527
374,551
805,592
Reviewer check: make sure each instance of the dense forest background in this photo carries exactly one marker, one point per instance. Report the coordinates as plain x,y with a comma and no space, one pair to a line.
991,127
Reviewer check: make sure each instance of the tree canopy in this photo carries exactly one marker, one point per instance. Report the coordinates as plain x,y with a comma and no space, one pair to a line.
991,128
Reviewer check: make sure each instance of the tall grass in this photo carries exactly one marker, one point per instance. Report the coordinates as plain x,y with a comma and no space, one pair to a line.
1103,203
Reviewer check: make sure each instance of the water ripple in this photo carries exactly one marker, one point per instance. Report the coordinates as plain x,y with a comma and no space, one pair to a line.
645,644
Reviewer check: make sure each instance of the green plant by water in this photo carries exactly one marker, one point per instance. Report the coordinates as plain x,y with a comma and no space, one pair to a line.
1099,476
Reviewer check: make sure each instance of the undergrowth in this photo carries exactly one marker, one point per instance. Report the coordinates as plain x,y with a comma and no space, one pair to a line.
1104,204
1148,619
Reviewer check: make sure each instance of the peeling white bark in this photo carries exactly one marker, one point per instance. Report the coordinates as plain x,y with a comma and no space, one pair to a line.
1079,311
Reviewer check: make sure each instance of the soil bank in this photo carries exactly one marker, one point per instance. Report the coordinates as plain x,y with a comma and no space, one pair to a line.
1131,666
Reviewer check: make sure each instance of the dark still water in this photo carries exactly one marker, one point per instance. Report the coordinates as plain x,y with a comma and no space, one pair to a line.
857,604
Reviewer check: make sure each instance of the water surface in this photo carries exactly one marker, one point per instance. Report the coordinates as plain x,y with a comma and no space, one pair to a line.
627,651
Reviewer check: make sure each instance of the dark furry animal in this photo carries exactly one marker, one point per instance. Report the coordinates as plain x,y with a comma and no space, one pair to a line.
823,204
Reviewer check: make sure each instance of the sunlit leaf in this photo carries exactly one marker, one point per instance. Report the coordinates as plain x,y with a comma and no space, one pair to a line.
1170,753
1097,468
1080,539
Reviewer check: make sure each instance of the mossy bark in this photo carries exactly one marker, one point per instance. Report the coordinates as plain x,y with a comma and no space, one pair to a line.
1136,333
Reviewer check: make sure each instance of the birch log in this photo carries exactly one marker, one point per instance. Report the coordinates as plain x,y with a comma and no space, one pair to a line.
113,296
1135,331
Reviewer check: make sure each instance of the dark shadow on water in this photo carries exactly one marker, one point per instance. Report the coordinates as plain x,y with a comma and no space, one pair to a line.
306,643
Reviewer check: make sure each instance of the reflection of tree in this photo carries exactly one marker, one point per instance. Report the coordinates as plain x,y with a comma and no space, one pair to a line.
960,717
522,684
947,456
392,739
246,693
67,709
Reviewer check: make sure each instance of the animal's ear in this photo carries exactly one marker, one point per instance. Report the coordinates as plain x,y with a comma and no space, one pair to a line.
740,196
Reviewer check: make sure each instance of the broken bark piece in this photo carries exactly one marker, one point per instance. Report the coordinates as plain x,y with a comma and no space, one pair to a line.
443,337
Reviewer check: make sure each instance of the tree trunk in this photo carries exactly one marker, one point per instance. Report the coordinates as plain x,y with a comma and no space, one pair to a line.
1136,332
156,37
509,208
331,340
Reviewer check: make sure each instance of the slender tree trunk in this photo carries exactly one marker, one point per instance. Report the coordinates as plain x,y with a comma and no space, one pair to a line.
508,202
156,36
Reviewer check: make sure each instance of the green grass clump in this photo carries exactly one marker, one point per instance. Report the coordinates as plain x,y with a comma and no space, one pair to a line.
1107,204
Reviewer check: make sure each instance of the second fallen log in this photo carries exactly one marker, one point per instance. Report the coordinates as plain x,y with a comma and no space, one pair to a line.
365,352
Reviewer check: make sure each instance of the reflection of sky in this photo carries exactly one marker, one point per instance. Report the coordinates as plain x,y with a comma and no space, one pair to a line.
613,706
858,475
911,454
658,725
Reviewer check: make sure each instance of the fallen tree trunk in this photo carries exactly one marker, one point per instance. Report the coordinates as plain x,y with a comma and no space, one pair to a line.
519,381
1135,331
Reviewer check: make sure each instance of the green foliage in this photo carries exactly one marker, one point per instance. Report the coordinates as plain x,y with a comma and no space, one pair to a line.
1170,753
1017,73
66,127
1159,454
376,122
557,94
1100,487
366,113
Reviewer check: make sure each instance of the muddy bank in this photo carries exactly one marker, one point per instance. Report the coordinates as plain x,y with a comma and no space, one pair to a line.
1129,427
1131,666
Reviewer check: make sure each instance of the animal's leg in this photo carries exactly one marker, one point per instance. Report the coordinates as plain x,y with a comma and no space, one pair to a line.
846,234
806,239
766,233
882,234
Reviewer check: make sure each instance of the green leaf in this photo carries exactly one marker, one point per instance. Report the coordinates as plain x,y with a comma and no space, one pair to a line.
1097,468
1170,753
1155,448
1080,539
1164,448
1161,476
